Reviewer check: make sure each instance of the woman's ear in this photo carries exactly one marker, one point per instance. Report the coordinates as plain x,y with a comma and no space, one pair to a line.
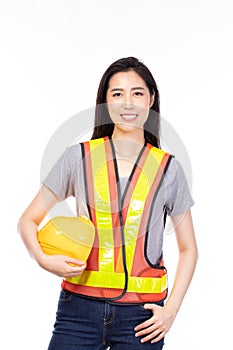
152,99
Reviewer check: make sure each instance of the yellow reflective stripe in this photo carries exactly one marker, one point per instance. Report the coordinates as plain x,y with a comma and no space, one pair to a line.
153,161
102,205
133,218
137,203
117,280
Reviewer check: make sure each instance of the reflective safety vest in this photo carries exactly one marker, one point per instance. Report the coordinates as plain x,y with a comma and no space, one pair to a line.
118,267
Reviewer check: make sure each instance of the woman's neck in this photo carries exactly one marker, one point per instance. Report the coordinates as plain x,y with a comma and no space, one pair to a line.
127,147
129,138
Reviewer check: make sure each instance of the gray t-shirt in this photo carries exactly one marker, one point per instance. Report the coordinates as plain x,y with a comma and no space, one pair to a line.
66,179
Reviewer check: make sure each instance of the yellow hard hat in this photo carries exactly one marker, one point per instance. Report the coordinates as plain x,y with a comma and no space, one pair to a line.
70,236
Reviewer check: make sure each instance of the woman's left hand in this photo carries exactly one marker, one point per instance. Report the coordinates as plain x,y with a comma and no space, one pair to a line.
155,328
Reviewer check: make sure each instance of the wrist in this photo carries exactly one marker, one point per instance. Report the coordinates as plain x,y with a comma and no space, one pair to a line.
172,309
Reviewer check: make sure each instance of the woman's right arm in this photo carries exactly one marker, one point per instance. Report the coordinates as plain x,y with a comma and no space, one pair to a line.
28,228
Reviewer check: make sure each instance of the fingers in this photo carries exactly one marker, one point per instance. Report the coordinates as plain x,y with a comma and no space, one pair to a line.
154,333
73,271
74,267
153,336
153,329
63,266
151,320
143,326
74,261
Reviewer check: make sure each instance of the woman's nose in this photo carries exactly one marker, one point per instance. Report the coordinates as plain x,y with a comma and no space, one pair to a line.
128,102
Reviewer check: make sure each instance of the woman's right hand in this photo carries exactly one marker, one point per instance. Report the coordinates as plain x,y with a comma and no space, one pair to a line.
62,266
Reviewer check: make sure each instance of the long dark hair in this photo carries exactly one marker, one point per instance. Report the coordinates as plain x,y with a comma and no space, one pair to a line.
103,125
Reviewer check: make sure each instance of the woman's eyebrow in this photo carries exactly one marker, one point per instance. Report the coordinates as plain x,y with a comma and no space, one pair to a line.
134,88
116,89
138,88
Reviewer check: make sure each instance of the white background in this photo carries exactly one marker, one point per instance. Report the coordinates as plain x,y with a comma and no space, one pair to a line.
53,54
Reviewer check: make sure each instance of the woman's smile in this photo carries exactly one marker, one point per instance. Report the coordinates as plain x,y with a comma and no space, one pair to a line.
129,117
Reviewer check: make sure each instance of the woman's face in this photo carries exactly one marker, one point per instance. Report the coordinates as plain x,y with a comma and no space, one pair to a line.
129,100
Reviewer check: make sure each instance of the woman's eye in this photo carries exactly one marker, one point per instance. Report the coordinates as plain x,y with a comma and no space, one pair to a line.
117,94
138,93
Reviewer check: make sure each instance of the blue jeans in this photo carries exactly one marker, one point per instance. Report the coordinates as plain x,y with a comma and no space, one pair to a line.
94,324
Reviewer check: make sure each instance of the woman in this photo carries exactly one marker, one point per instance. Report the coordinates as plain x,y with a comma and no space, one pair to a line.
127,185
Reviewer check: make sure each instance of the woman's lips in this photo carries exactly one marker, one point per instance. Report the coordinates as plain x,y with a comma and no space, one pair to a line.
129,117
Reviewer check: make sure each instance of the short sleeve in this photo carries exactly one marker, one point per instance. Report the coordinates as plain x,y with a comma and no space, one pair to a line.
178,195
61,178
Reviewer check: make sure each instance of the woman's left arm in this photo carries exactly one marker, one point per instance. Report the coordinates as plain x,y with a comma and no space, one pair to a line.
155,328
